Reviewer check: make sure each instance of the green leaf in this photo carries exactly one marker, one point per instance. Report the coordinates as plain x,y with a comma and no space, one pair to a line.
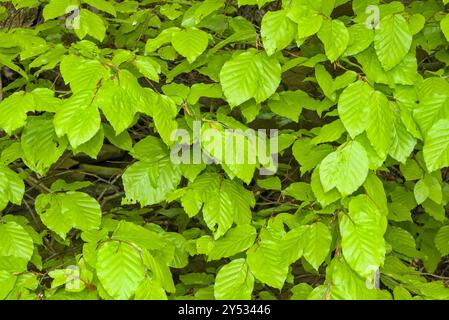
62,212
148,67
404,73
300,191
236,240
428,188
250,75
119,268
14,111
12,153
433,101
421,191
16,247
163,38
402,242
57,8
411,170
138,235
224,202
40,145
234,281
301,291
198,192
218,211
201,10
329,85
403,142
277,31
272,183
149,149
335,37
12,187
330,132
294,243
392,40
436,146
265,259
360,38
150,290
402,204
84,210
7,282
362,231
401,293
164,118
150,182
102,5
122,141
92,147
324,198
78,119
345,169
50,59
61,185
289,104
117,104
345,284
88,23
381,123
374,161
444,25
190,43
260,3
317,242
4,60
234,150
82,74
435,290
171,10
160,271
442,240
354,107
374,189
308,20
199,90
45,100
308,155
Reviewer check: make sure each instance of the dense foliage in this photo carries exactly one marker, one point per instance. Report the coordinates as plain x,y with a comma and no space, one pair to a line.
92,205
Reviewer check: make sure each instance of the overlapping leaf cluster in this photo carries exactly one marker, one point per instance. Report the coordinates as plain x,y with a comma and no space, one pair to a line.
93,207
